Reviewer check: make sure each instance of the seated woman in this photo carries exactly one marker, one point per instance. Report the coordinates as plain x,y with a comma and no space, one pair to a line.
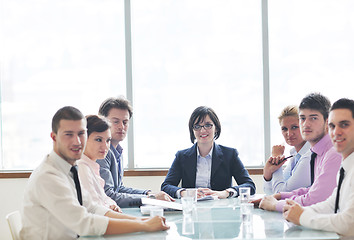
206,165
97,146
297,172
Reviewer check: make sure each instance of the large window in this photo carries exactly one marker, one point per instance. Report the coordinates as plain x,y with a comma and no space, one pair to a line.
54,53
185,53
310,50
192,53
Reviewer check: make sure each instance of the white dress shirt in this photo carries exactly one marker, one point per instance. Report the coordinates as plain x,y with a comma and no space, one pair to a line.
91,181
51,209
321,215
297,173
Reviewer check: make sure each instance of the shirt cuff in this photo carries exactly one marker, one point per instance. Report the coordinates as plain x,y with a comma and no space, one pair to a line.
178,193
305,218
280,205
233,193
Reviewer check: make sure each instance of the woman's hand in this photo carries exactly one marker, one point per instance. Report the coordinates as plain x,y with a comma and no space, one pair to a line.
220,194
154,224
115,208
272,165
278,150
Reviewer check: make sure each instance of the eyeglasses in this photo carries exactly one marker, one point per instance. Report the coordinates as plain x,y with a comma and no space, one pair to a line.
207,126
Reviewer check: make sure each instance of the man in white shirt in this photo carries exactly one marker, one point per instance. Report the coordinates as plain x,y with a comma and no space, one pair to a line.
54,205
336,213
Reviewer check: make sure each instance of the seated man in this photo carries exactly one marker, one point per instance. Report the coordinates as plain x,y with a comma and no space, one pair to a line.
54,205
325,161
118,111
336,213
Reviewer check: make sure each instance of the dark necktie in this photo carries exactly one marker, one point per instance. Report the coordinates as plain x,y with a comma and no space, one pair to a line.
313,157
341,176
77,183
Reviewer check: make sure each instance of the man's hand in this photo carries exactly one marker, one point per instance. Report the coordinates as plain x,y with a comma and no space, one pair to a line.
292,211
162,196
256,202
268,203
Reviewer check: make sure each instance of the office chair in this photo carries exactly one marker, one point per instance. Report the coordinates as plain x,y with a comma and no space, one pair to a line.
15,224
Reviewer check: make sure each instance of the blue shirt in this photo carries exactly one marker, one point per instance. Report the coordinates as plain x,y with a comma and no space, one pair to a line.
203,170
296,174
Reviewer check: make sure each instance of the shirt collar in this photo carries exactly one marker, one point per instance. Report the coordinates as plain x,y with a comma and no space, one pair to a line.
119,148
89,162
323,145
302,151
348,163
208,155
60,162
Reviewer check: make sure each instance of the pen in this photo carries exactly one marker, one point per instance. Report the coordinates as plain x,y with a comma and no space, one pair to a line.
284,159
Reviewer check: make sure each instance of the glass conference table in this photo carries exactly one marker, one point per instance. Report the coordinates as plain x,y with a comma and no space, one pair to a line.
221,219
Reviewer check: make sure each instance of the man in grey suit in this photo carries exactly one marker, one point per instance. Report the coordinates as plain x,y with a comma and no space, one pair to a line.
119,111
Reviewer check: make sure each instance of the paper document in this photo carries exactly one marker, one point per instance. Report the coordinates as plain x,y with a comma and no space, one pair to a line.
164,204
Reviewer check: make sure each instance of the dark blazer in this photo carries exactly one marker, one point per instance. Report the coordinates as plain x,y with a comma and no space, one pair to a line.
225,165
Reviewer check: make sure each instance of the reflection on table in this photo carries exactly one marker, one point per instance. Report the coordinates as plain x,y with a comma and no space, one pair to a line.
221,219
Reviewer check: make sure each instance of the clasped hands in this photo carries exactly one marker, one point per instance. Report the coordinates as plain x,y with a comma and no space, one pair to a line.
203,192
291,210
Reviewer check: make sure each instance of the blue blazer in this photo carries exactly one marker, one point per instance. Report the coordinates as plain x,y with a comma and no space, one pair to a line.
114,188
225,165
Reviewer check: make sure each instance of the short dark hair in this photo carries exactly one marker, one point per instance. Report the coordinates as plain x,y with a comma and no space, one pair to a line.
119,102
344,103
316,101
67,113
96,124
199,115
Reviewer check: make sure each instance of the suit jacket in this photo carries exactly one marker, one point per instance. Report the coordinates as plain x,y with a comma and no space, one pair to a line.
225,165
123,196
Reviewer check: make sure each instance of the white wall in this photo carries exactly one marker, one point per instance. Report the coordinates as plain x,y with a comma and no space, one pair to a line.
12,194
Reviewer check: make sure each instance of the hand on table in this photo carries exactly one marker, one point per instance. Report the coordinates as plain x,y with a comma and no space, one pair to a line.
156,223
220,194
115,208
162,196
268,203
292,211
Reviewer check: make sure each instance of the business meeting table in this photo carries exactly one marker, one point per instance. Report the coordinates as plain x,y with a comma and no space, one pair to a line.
221,219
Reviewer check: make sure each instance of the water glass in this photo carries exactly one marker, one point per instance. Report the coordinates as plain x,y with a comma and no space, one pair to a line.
191,192
246,212
187,226
245,194
156,211
187,205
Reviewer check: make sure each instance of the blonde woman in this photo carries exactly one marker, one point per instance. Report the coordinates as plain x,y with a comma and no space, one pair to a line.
297,172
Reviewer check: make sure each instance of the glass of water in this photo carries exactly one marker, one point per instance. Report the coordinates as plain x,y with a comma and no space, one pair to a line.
245,194
246,212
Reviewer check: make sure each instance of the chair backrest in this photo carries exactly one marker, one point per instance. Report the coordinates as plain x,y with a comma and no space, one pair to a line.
15,224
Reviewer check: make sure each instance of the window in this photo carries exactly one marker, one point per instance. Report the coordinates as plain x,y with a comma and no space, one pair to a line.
54,53
192,53
185,54
311,53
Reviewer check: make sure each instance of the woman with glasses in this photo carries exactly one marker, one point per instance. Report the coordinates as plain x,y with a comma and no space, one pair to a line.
206,165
